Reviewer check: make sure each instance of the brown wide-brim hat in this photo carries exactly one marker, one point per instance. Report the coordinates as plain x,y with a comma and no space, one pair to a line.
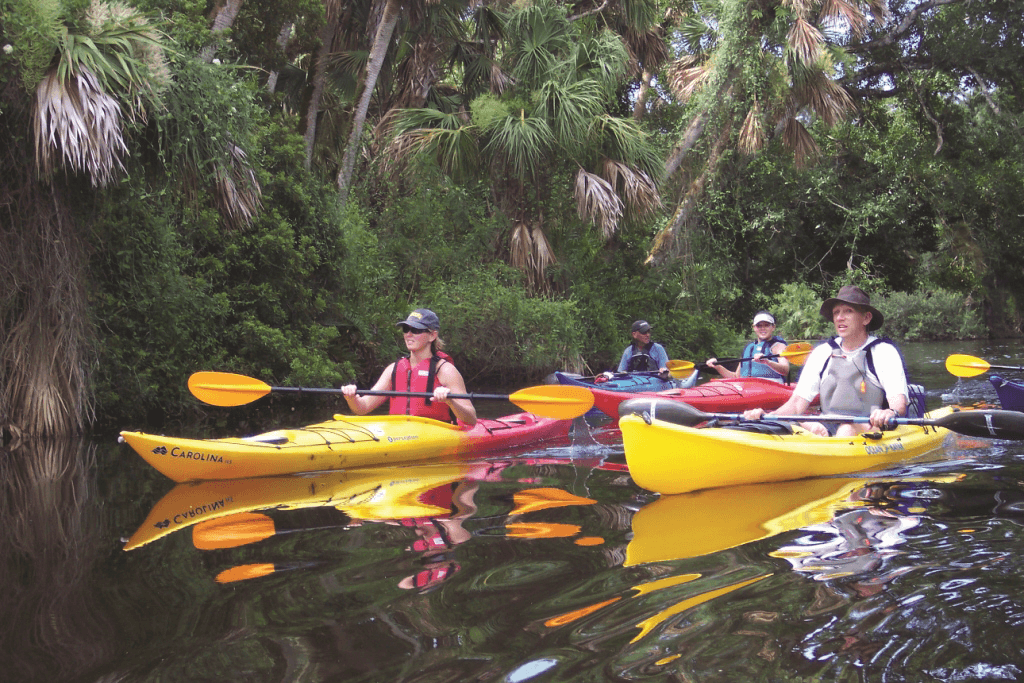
854,296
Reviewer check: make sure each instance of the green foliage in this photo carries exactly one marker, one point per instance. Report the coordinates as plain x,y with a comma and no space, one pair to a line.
33,29
930,315
487,110
499,334
797,310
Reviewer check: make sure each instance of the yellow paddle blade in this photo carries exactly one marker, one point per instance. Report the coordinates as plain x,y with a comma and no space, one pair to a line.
797,353
560,401
232,531
226,388
680,369
961,365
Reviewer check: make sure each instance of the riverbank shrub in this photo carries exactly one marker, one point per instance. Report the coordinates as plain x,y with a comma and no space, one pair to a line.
499,335
926,314
932,314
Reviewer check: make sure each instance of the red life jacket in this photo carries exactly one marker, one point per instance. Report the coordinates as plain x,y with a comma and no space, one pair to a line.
404,377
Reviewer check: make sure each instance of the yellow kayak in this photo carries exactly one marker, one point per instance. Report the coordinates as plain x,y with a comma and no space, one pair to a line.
344,442
671,458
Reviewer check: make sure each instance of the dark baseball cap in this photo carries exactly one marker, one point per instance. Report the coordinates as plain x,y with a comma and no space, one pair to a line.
641,326
422,319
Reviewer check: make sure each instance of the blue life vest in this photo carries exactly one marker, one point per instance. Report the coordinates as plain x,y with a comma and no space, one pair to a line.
749,368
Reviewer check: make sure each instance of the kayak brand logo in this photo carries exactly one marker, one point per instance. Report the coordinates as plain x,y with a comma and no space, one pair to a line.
160,450
884,448
196,455
205,508
410,437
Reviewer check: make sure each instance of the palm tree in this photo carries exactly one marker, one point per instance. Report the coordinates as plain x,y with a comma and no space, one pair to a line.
78,87
75,91
550,100
752,71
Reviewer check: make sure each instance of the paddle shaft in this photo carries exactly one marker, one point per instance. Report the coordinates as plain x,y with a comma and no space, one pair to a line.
993,424
229,389
382,392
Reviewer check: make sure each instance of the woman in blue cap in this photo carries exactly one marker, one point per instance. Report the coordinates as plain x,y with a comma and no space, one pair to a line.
426,369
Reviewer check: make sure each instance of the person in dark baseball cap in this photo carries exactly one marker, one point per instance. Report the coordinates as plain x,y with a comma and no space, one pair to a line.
853,373
427,369
643,355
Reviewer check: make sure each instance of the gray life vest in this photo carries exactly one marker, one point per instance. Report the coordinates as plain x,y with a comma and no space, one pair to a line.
848,388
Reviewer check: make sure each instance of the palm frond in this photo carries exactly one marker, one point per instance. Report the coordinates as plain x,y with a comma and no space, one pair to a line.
804,41
752,135
569,109
520,142
843,12
623,139
798,139
237,191
639,190
537,35
603,57
801,8
521,247
813,89
597,202
77,122
688,75
543,255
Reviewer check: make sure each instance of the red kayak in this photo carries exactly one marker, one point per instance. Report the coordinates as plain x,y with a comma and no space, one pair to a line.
718,395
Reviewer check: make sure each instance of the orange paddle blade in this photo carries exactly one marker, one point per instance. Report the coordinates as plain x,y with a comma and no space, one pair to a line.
680,369
797,353
232,531
226,388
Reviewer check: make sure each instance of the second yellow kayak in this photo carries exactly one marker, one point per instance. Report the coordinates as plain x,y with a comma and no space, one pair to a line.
670,458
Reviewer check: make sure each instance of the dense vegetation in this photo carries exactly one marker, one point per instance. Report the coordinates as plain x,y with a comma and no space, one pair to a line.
266,187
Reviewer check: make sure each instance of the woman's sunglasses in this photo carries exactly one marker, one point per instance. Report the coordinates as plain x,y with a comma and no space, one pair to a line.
406,330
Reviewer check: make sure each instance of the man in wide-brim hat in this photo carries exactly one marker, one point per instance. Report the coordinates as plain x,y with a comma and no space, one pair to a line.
853,373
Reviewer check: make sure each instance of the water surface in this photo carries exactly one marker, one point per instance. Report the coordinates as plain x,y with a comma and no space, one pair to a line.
549,565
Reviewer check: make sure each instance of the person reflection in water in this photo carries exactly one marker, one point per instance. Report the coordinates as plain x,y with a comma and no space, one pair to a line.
437,536
855,544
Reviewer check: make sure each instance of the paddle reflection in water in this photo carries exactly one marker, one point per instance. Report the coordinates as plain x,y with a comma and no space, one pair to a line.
432,501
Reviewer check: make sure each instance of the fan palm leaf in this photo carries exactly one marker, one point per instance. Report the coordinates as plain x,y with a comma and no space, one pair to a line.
77,124
569,108
597,201
639,190
521,143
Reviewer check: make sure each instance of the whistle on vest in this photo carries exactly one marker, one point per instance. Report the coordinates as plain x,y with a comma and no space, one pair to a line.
863,387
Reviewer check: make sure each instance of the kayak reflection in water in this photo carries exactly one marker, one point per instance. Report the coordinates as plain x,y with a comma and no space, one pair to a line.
426,369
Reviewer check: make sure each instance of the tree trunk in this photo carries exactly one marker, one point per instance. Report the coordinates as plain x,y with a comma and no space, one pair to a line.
667,241
43,316
640,106
224,18
319,80
381,41
282,42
